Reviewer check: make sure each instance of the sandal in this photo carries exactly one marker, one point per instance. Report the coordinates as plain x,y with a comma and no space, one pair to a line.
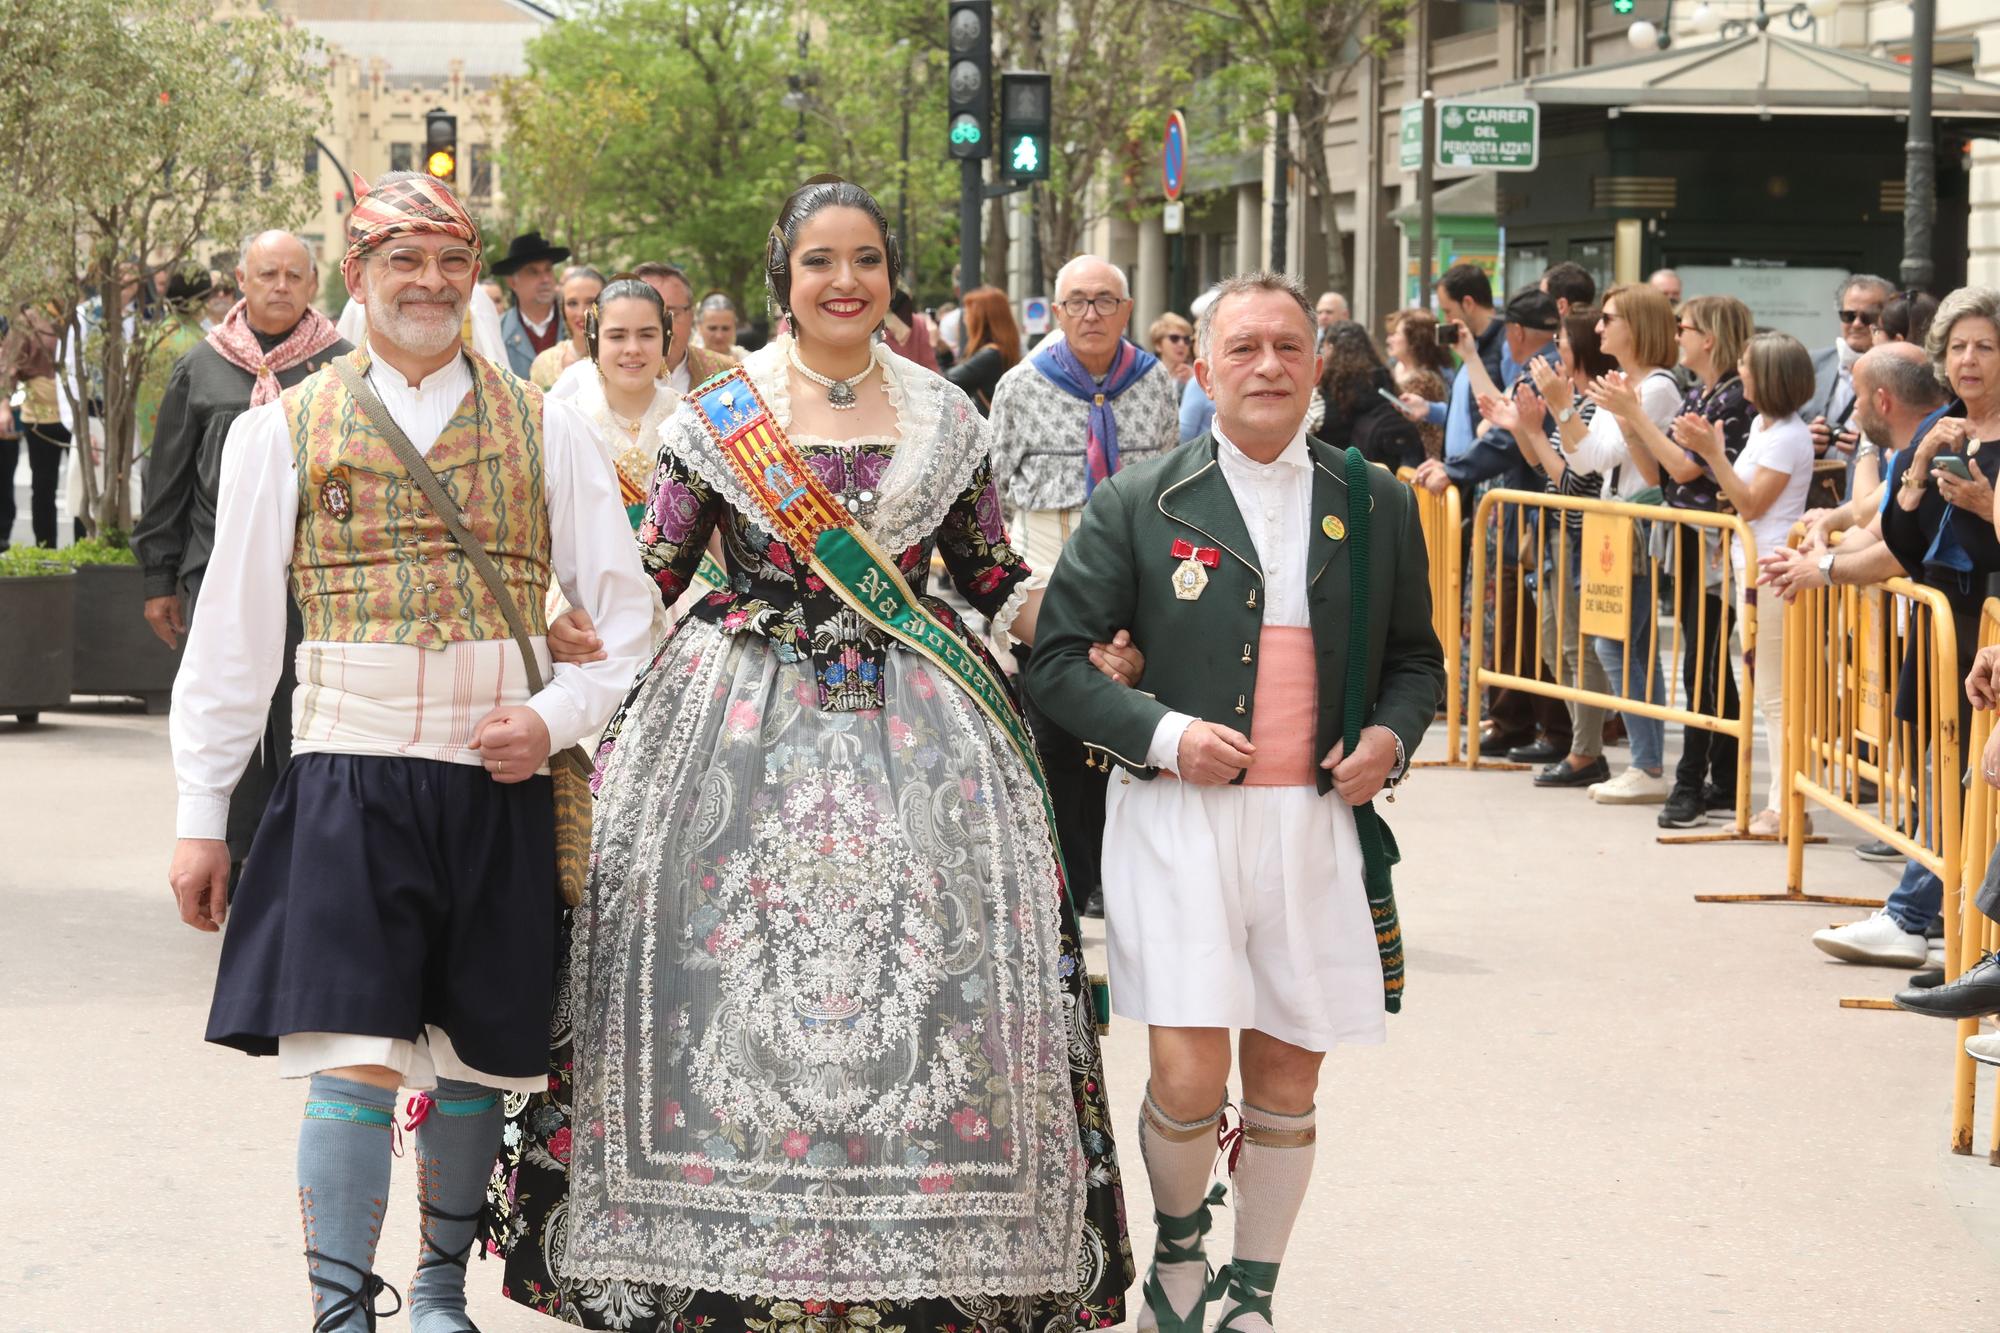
353,1300
1179,1240
1249,1284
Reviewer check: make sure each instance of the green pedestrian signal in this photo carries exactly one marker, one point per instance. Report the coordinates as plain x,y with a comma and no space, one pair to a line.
1624,6
1026,114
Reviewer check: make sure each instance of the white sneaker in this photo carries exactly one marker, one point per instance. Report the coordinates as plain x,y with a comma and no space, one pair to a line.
1635,786
1984,1048
1876,939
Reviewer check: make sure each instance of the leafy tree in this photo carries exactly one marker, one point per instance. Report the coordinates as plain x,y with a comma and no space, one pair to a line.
178,127
673,128
34,112
872,88
1116,67
651,129
1296,59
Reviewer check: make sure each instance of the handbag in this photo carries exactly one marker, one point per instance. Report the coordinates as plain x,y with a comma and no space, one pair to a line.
570,769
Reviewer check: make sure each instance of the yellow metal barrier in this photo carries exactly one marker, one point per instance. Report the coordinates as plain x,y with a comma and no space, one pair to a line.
1873,697
1968,932
1608,597
1442,522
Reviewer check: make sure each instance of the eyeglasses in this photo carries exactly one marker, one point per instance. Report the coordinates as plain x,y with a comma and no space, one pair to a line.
1105,306
1167,337
1867,317
676,311
1609,317
1689,328
452,264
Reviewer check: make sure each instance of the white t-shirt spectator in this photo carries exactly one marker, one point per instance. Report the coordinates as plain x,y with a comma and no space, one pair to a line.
1604,449
1777,446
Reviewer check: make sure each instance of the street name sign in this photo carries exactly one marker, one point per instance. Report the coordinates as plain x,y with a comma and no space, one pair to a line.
1485,136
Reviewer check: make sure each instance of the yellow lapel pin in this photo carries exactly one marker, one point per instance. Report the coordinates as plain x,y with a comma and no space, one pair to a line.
1333,527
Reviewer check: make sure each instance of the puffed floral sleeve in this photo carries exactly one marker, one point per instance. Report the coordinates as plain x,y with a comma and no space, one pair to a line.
681,513
982,561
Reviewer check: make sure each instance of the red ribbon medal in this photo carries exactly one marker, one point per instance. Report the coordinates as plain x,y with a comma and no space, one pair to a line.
1186,550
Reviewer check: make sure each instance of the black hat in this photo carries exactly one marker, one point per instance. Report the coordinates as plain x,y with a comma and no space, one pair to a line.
185,289
1533,308
528,249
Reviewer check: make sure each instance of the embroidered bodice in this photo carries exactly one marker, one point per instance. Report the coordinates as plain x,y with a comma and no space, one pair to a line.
930,490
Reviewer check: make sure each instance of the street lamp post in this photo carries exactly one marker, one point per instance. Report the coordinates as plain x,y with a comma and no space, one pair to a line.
1920,153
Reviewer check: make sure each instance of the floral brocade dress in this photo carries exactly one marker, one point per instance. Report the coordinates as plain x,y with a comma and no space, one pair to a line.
824,1060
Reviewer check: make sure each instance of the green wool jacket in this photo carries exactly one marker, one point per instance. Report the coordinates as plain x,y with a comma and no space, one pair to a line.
1116,573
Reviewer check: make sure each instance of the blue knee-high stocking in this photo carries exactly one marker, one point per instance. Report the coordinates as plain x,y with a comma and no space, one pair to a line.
456,1144
344,1145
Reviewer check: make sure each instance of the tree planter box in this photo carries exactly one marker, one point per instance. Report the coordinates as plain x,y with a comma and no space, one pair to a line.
37,636
116,650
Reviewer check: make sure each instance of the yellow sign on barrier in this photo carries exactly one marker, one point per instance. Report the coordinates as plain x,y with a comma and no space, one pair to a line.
1871,672
1607,576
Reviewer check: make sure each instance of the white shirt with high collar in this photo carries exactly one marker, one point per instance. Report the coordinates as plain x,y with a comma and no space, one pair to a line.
1275,500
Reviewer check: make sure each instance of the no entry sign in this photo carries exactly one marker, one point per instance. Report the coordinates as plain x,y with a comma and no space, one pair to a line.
1173,157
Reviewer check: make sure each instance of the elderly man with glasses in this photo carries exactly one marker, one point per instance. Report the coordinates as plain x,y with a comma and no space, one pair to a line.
1064,420
1832,404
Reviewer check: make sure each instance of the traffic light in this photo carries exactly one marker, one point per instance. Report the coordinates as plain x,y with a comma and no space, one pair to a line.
1026,111
969,84
1624,6
441,144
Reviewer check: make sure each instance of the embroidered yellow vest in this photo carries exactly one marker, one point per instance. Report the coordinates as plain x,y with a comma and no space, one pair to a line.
372,563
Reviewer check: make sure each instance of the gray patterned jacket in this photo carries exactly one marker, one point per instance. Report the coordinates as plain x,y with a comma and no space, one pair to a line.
1038,434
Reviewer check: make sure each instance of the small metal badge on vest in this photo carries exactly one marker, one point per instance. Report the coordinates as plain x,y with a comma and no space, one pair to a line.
335,497
1333,527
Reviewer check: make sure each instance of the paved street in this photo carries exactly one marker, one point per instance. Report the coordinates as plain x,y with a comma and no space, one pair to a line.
1606,1107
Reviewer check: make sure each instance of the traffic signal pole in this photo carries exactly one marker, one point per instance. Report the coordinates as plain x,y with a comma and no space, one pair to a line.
971,196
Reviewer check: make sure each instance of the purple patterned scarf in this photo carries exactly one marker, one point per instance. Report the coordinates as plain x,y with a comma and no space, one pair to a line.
1058,362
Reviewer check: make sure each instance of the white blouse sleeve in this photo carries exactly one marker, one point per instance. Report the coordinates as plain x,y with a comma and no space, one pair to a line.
597,564
236,646
1602,447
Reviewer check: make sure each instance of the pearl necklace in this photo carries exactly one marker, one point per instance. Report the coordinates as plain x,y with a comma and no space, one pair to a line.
839,393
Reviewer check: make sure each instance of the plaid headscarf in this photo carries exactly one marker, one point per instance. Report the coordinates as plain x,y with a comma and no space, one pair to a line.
407,207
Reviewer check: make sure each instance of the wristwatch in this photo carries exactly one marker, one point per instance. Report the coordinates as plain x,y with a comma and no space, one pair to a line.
1562,417
1399,772
1826,568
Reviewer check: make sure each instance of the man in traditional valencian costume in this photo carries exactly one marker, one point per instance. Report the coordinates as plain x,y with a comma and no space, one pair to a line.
1279,590
395,922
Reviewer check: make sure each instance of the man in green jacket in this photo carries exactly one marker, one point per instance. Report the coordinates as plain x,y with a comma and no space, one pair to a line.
1280,593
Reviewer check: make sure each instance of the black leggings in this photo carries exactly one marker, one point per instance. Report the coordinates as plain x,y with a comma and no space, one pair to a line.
45,451
1704,616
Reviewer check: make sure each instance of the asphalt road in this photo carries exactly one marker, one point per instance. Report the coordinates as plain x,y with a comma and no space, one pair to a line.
1605,1107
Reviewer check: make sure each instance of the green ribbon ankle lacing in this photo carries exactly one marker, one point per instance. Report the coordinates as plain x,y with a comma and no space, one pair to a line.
1250,1283
1179,1240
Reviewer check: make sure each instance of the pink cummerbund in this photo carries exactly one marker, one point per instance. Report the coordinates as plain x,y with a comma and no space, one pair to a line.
1286,721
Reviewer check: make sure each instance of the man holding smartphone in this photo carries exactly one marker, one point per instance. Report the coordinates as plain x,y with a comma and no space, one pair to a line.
1830,411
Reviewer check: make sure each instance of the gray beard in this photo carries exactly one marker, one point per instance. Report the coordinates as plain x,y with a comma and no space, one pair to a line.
419,339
